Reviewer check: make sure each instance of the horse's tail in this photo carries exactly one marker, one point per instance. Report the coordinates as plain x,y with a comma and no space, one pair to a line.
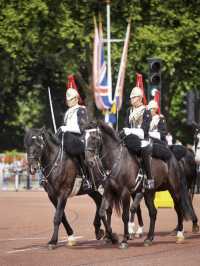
188,211
190,164
116,195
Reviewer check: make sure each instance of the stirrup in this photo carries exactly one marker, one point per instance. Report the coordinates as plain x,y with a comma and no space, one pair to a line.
149,184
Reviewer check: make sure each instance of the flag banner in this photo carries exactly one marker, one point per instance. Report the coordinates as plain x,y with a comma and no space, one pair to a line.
97,97
118,97
140,84
102,88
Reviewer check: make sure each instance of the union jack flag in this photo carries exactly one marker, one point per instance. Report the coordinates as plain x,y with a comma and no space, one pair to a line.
102,88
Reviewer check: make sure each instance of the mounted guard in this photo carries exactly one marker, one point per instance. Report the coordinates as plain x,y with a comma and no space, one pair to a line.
74,122
137,123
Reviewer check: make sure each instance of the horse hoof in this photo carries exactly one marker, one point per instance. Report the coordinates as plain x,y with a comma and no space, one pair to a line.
114,238
195,228
71,241
123,245
100,234
51,246
147,242
180,240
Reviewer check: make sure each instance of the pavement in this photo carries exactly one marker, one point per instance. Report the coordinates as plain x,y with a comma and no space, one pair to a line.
26,224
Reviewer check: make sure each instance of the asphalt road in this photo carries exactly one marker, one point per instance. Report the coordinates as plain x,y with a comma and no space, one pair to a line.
26,226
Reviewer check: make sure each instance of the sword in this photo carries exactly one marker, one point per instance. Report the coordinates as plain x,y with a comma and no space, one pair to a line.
52,113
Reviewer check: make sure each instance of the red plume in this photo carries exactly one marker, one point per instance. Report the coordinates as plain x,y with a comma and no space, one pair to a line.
139,83
157,99
72,84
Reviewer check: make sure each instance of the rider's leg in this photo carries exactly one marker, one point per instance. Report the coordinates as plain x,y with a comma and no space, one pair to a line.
146,165
83,172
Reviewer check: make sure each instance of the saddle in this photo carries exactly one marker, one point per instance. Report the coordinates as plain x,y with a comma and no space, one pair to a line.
72,144
159,150
179,151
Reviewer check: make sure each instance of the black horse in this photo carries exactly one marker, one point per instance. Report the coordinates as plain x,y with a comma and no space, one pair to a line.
186,160
45,152
121,182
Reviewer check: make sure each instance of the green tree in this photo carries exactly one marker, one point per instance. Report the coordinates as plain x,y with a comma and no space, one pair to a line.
41,41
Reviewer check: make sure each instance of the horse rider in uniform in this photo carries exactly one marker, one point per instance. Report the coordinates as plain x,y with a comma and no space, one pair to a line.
137,122
158,126
75,119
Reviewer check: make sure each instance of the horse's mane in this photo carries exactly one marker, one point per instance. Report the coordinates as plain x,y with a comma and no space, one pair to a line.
53,137
109,131
37,131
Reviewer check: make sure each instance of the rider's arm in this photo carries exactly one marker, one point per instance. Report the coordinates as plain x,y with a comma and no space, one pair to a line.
162,128
82,118
146,123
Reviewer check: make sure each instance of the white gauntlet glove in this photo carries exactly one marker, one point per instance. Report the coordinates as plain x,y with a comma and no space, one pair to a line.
136,131
63,128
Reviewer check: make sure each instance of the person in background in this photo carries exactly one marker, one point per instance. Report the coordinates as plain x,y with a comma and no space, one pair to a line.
137,122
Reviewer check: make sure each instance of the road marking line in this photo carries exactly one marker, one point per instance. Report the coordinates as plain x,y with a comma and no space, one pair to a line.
36,248
33,238
22,250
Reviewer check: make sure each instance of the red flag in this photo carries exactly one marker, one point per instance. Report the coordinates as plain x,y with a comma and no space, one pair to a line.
139,83
121,75
72,84
156,95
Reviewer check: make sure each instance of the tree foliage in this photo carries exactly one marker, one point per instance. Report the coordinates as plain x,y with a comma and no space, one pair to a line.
42,41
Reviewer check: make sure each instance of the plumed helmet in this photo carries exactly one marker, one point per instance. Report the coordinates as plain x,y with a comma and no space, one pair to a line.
71,93
152,104
136,91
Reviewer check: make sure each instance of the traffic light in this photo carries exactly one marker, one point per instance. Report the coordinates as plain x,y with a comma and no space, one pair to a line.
191,104
154,79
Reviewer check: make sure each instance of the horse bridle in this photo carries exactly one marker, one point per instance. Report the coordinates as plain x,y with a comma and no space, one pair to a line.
42,144
97,158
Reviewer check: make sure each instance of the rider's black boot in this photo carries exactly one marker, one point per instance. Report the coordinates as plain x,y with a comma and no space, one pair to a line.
146,164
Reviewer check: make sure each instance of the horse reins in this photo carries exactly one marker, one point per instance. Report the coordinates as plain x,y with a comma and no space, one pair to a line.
58,157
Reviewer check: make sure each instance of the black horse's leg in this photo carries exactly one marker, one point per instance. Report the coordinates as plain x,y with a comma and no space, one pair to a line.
62,199
149,201
195,226
178,209
102,213
97,220
136,210
125,219
54,201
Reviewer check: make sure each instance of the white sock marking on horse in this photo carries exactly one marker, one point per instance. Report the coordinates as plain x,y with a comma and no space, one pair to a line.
139,230
180,234
131,228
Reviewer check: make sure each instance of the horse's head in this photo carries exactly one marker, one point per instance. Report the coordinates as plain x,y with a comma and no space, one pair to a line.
34,142
93,142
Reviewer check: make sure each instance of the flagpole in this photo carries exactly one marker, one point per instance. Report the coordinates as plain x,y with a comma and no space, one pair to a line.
109,45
